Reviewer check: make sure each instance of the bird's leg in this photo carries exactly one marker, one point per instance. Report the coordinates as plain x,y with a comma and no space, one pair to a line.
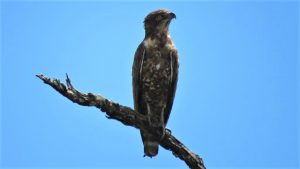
161,127
148,115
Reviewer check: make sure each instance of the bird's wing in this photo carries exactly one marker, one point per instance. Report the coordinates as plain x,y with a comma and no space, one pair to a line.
174,66
136,76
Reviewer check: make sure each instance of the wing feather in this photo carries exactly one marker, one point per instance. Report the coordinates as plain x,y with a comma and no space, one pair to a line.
174,66
137,76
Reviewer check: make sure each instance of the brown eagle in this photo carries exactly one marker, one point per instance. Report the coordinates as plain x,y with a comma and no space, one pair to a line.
155,74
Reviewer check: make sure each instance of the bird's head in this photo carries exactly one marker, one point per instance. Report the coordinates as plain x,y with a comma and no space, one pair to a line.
158,21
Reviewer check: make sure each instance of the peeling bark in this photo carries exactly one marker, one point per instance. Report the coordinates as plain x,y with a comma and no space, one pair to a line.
125,115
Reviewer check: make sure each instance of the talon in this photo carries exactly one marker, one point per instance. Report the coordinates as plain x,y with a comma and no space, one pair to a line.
168,130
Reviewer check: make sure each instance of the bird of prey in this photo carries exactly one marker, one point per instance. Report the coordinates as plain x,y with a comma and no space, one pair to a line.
154,75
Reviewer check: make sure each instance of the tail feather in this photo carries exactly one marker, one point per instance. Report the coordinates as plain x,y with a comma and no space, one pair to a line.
151,148
151,144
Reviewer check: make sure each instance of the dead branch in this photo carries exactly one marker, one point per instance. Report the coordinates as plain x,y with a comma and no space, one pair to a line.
125,115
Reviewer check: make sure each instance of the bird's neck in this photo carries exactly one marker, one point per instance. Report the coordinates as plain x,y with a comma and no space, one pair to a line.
157,31
160,36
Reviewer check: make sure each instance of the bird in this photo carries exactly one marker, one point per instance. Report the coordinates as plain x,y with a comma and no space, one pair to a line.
154,77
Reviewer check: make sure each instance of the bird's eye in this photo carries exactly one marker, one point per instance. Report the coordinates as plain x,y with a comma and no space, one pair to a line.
159,17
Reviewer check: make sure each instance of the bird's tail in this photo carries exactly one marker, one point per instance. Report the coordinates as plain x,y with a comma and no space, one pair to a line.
150,144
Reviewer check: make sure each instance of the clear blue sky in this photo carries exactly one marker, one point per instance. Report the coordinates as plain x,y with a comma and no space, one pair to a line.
236,106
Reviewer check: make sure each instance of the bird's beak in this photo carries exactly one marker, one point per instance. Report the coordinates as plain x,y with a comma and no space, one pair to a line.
172,15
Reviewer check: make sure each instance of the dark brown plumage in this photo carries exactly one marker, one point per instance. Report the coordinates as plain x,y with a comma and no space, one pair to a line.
155,74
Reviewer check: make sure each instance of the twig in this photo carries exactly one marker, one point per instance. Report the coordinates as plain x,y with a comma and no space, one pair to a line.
125,115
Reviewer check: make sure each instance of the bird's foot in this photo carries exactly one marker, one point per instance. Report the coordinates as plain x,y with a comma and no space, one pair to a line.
168,130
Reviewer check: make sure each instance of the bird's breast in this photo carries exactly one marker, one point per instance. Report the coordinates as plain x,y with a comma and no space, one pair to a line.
156,74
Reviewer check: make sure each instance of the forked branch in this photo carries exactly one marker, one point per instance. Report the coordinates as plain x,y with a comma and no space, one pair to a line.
125,115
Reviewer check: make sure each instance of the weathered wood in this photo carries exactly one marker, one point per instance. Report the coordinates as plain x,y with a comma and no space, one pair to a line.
125,115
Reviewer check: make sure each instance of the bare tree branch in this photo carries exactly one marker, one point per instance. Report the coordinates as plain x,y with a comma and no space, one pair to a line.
125,115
